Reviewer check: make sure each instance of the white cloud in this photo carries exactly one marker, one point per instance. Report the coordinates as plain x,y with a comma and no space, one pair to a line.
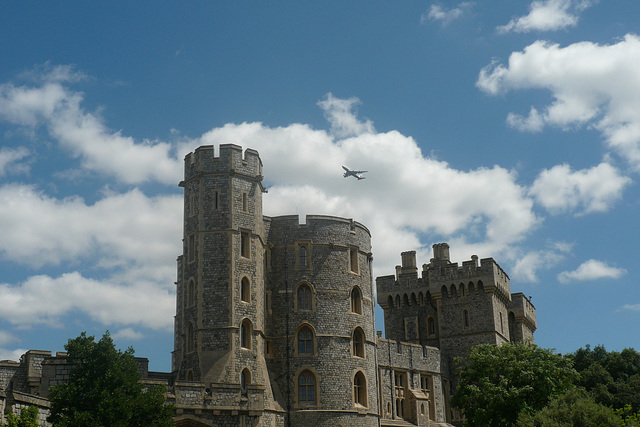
561,190
6,354
126,228
46,300
438,13
405,193
128,334
6,338
547,15
527,265
594,85
632,307
9,157
58,109
532,123
591,270
341,115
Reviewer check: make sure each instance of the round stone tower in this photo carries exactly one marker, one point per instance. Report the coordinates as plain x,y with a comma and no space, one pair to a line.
320,331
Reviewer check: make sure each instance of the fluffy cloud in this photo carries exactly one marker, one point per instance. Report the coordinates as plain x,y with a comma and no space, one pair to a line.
591,270
438,13
15,354
405,193
527,265
549,15
45,300
592,84
127,334
562,190
632,307
57,108
9,158
38,230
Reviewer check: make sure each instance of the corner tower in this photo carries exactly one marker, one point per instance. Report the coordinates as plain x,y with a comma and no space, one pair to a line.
220,287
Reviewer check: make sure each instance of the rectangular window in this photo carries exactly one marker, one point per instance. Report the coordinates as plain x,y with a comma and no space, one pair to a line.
353,259
267,301
268,349
216,200
245,204
245,244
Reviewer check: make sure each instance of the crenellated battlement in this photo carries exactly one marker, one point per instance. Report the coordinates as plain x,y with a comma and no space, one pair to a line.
230,159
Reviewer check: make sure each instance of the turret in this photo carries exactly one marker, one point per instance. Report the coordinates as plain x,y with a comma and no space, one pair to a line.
220,296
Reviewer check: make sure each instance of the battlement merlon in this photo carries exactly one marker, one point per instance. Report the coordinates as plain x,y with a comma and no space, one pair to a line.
203,161
523,310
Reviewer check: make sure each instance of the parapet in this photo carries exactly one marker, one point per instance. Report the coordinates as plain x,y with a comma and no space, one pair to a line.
398,353
523,310
230,160
318,228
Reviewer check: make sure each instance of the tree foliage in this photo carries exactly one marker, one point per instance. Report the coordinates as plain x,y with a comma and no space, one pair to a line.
574,408
613,378
28,418
498,382
104,389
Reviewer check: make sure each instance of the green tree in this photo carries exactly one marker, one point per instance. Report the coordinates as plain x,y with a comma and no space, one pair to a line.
498,382
28,418
104,389
613,378
574,408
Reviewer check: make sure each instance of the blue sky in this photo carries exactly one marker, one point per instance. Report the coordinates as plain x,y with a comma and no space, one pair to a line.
508,129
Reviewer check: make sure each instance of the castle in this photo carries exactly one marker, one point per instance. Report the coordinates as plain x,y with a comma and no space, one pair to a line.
275,325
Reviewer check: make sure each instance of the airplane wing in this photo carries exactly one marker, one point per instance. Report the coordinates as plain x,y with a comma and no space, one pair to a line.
359,171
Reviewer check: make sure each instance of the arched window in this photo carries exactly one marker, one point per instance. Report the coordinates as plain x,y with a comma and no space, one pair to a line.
390,301
420,298
358,342
245,290
245,379
306,389
305,341
190,338
356,300
454,292
398,301
431,327
471,288
190,375
405,297
245,333
444,291
360,389
465,318
462,289
304,297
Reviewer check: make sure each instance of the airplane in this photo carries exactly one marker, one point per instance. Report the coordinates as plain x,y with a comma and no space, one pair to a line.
355,174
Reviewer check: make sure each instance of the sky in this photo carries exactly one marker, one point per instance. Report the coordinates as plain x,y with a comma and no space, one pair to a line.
509,129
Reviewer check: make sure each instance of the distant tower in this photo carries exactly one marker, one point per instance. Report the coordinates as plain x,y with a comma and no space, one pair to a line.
220,289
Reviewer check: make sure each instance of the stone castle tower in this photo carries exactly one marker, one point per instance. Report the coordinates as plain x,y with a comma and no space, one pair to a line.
274,316
453,307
